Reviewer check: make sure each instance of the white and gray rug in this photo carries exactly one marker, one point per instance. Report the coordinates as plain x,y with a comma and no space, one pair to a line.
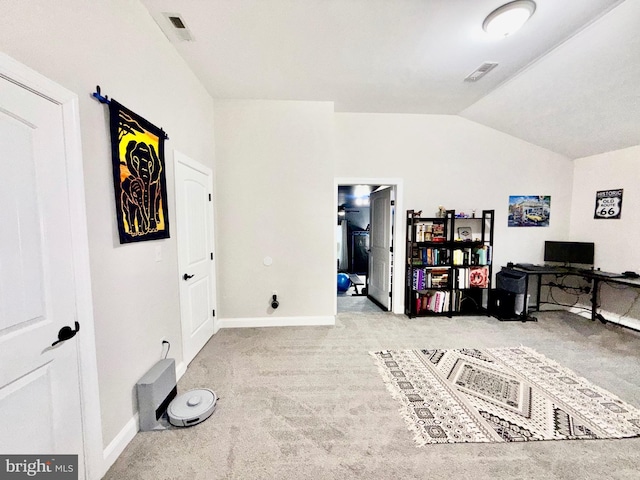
499,395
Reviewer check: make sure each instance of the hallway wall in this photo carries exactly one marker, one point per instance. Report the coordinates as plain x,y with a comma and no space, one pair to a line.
116,44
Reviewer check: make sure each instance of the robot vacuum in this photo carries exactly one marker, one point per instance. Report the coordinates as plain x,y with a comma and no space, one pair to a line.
192,407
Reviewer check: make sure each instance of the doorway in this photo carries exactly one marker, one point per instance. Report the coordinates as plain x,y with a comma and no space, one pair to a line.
195,222
356,233
49,386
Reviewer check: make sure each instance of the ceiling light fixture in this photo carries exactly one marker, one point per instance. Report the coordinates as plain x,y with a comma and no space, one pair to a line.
508,18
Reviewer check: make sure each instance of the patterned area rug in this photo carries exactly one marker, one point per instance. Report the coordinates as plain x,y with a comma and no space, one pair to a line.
499,395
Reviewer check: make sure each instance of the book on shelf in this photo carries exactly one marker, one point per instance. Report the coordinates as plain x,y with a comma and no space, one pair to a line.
472,256
439,277
482,255
429,256
429,232
436,301
425,278
461,278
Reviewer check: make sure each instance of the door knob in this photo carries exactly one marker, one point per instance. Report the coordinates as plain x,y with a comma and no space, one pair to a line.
66,333
186,276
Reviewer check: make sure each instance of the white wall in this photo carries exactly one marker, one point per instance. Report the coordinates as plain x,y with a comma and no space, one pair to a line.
275,189
615,249
454,162
116,44
614,239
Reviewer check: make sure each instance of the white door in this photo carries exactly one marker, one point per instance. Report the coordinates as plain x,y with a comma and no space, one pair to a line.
40,404
194,218
379,281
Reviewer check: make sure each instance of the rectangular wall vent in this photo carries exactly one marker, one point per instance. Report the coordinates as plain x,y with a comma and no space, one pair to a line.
481,71
177,22
178,26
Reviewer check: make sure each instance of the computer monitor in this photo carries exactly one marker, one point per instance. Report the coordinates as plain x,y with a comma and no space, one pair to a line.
569,252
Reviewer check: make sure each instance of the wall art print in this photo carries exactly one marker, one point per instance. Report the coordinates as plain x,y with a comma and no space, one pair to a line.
608,204
137,151
529,210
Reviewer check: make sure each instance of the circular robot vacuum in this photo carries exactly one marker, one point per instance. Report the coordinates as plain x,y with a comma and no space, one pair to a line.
192,407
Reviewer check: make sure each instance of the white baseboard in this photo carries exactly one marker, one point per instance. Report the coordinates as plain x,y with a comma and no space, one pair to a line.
131,428
181,369
633,323
118,444
277,322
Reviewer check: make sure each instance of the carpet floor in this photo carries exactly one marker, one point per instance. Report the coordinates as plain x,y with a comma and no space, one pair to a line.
309,403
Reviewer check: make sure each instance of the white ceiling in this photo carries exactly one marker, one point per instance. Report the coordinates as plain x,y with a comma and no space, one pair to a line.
568,81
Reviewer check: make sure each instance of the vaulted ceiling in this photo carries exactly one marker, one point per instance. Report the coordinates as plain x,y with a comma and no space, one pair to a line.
567,81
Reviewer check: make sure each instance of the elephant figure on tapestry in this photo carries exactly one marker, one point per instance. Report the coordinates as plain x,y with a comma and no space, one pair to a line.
132,198
141,193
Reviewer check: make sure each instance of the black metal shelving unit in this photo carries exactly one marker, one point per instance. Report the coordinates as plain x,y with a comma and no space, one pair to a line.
448,264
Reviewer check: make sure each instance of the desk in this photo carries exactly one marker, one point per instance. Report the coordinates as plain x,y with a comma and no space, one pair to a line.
596,277
538,271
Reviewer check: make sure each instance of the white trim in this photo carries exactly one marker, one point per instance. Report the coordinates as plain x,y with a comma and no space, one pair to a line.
277,322
181,369
128,432
120,442
27,78
611,317
398,234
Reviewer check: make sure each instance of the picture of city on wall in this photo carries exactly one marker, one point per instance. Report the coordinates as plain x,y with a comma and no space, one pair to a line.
529,210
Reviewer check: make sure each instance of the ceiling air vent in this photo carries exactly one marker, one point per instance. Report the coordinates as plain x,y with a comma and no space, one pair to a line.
179,26
481,71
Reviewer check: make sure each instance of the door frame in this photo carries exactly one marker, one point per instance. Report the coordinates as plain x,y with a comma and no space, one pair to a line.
181,158
23,76
397,278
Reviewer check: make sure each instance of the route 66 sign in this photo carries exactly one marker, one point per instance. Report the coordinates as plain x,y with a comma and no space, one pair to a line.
608,204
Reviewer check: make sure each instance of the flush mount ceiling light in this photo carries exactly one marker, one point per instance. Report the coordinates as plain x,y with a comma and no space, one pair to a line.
508,18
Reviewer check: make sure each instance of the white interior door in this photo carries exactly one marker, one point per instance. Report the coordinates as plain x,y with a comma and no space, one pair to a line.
379,281
194,218
39,384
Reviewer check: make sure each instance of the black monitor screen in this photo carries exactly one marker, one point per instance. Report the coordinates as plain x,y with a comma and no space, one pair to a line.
569,252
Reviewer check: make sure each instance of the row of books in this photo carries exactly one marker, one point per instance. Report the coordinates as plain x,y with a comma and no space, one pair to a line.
429,232
461,278
472,256
424,278
441,301
430,256
436,301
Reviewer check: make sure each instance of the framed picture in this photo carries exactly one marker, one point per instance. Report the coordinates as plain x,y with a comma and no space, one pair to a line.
464,233
529,210
608,204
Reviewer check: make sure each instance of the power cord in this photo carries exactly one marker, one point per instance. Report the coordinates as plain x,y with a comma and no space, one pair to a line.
166,342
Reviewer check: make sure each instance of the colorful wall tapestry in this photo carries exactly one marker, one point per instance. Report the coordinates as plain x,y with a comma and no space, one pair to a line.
137,150
529,210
